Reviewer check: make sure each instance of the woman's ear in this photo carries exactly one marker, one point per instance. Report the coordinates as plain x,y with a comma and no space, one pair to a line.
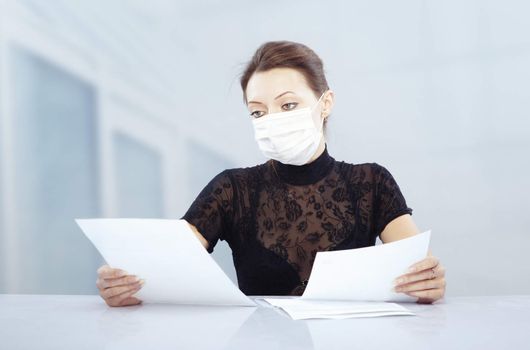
328,102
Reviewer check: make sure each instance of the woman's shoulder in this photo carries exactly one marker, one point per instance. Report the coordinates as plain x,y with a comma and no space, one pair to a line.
245,170
367,171
240,175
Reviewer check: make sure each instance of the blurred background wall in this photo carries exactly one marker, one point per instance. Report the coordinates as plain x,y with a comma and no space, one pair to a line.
127,109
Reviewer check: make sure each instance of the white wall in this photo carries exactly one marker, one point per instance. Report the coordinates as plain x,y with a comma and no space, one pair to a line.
436,91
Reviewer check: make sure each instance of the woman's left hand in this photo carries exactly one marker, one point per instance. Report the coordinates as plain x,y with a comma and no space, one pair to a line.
425,280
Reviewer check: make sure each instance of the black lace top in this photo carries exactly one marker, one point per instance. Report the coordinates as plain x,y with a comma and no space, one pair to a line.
276,217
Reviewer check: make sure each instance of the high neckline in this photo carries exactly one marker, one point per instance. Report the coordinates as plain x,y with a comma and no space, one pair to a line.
305,174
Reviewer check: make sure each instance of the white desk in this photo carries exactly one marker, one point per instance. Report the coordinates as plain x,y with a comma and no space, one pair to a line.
86,322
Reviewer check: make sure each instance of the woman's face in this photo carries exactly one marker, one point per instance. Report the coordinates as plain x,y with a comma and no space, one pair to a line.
283,89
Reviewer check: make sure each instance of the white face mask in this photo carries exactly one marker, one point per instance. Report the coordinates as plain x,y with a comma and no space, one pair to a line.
290,137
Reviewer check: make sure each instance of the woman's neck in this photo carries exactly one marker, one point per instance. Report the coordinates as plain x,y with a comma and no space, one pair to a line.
319,150
311,172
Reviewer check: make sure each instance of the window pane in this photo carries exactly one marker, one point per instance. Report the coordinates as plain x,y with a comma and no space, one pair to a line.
138,178
54,118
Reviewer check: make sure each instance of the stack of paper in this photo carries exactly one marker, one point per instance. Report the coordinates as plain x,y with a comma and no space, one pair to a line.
167,254
300,309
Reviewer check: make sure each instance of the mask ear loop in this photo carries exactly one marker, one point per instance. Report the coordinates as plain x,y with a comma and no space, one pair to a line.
321,120
320,98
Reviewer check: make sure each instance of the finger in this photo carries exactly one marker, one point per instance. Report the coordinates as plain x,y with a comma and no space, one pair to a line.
439,271
425,301
421,285
116,282
130,301
104,270
430,294
119,300
116,291
107,272
427,263
103,267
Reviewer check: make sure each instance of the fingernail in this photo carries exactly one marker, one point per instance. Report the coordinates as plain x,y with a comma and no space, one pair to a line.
398,281
136,279
411,269
142,282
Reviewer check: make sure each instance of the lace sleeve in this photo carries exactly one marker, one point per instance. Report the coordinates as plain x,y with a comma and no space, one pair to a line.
211,211
389,201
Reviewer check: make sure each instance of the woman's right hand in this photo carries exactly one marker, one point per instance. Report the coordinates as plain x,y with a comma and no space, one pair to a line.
116,287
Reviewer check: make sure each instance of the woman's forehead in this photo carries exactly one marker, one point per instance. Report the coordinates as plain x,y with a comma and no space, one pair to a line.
269,84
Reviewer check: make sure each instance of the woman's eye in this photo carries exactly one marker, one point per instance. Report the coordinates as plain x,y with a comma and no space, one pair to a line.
292,104
256,114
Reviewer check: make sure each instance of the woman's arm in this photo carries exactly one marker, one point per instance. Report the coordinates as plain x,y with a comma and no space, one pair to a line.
201,238
426,279
401,227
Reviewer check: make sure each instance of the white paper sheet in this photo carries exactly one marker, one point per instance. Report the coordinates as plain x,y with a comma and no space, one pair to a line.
167,254
299,309
365,274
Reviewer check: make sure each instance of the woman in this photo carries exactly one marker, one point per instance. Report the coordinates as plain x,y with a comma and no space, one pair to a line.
277,215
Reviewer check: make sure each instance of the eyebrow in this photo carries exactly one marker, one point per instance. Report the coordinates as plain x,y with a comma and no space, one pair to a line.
277,97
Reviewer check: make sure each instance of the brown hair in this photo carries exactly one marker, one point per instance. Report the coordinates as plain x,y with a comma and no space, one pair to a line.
287,54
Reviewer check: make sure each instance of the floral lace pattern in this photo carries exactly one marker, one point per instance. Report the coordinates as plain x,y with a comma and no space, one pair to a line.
276,217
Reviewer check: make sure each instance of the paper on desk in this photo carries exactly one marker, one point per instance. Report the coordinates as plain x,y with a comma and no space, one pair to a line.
365,274
167,254
300,309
